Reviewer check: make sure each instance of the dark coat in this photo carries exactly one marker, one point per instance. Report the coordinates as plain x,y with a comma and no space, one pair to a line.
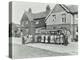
48,39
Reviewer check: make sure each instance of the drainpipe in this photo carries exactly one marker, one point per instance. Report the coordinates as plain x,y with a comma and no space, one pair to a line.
73,27
32,30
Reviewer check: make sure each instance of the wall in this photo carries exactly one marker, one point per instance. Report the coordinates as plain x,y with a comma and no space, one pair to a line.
58,19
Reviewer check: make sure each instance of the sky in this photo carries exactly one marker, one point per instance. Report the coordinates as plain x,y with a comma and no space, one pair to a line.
18,8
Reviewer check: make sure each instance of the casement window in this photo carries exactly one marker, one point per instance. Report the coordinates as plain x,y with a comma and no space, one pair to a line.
54,17
37,31
37,22
76,16
26,22
22,23
64,18
27,30
54,27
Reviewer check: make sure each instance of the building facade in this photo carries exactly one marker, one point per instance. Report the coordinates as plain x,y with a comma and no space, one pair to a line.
63,16
31,23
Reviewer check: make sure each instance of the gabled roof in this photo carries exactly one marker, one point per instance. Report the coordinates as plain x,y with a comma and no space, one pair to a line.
26,16
40,15
35,16
73,9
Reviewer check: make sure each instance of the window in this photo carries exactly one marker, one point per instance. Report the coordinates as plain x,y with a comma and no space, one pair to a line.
37,22
64,18
54,27
54,17
26,22
76,15
37,31
27,30
22,23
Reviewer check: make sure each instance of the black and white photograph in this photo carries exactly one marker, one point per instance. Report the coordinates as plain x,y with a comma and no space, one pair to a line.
42,30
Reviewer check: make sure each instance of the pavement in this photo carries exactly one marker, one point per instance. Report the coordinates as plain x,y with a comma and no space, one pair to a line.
23,51
31,50
71,48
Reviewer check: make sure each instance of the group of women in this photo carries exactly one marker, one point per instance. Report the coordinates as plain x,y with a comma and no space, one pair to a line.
58,38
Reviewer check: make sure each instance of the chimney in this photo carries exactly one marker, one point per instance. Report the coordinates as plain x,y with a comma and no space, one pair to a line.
48,8
30,10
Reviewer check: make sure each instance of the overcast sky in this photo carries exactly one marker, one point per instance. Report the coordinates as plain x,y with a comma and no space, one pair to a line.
18,9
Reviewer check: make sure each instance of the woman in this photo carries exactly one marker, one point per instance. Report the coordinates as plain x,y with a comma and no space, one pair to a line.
39,39
23,40
57,39
44,38
65,40
48,39
61,38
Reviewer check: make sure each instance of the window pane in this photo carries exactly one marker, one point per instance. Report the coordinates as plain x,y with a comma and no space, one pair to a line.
26,22
54,16
37,22
64,18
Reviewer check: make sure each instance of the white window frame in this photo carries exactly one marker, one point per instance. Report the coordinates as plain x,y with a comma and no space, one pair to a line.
37,22
64,18
54,17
